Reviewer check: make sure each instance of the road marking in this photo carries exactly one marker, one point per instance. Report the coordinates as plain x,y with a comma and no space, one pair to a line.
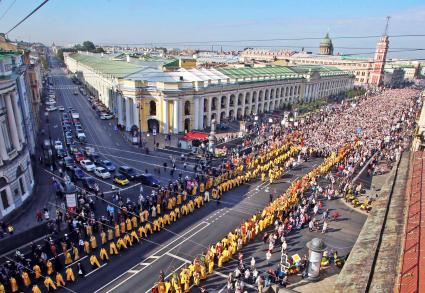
178,257
96,270
133,271
80,259
167,276
155,255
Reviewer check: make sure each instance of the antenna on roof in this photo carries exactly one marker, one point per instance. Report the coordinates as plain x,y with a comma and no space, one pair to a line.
386,25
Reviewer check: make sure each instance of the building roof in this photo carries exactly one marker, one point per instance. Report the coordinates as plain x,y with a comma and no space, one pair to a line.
278,72
107,66
237,73
7,54
326,40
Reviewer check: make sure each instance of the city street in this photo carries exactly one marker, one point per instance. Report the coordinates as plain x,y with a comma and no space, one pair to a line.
138,268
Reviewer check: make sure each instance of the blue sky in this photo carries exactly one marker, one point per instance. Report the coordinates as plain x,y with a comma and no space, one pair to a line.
159,21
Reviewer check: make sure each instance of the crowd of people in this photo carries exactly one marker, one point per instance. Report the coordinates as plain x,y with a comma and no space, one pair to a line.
347,135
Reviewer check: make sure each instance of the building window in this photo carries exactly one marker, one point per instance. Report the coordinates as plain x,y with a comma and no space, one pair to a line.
4,199
152,108
6,135
187,108
21,184
214,104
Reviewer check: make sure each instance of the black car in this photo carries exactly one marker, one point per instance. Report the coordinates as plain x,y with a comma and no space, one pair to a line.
150,180
90,184
79,174
95,158
107,165
60,153
129,172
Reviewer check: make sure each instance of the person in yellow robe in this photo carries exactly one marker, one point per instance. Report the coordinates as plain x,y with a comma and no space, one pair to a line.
94,262
93,242
75,252
70,277
37,271
113,248
26,279
35,289
103,254
59,280
49,267
128,224
49,284
13,284
103,237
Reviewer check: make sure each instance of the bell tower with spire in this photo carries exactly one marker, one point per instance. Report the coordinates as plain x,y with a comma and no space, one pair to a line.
377,74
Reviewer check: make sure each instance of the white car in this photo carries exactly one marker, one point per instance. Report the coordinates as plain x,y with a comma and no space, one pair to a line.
75,115
58,145
106,116
51,108
88,165
50,102
102,173
61,108
52,96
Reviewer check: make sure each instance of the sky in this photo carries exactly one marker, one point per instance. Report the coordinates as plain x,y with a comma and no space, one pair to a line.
245,23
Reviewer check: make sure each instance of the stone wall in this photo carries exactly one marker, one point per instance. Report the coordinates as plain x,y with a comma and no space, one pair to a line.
373,262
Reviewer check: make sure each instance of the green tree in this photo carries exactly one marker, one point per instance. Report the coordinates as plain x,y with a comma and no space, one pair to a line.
89,46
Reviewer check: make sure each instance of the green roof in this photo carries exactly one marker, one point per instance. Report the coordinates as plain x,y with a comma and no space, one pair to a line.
104,65
326,40
276,71
256,71
7,54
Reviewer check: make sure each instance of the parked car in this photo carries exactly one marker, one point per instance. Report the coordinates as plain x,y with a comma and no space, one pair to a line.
69,163
79,174
79,156
58,145
121,179
102,173
51,108
95,158
129,172
67,128
106,116
75,115
61,108
81,136
60,153
107,165
76,93
150,180
90,184
87,165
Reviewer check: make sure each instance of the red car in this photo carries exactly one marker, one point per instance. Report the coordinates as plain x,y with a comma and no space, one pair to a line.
79,156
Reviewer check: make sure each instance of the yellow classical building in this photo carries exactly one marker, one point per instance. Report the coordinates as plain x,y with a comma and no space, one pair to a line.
173,96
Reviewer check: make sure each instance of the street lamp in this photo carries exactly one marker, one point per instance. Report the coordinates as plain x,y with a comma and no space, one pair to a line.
140,125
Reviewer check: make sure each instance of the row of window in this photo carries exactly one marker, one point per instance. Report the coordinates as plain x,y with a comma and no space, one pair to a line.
214,102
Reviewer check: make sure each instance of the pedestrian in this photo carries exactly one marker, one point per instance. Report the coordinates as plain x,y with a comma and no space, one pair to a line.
325,227
39,216
269,257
